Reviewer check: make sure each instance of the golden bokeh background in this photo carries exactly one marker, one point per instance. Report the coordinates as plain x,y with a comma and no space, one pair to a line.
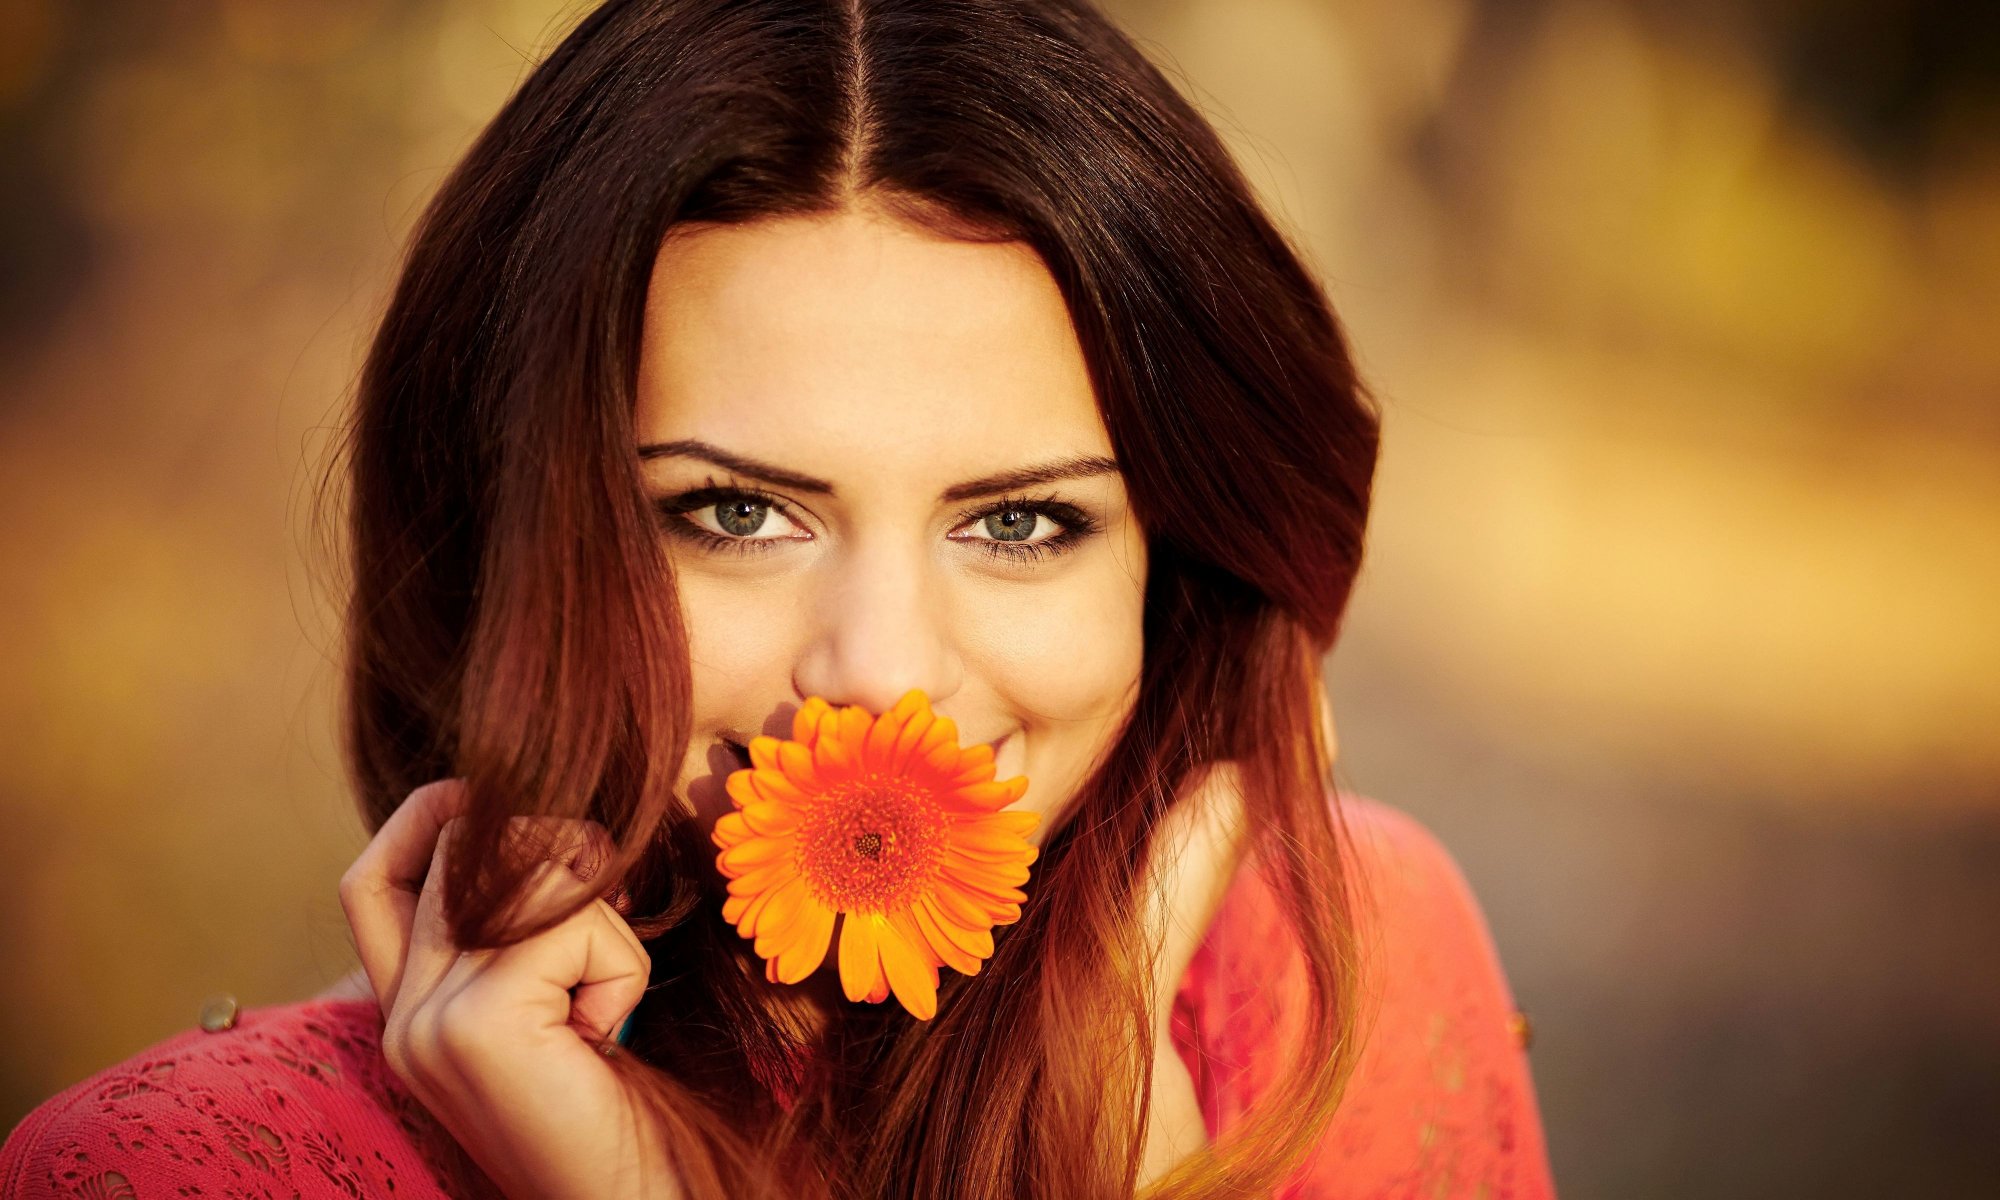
1679,620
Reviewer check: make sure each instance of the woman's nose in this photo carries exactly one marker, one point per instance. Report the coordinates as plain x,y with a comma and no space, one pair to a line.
878,630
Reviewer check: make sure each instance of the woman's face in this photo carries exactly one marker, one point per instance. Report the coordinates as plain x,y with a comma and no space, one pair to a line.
879,465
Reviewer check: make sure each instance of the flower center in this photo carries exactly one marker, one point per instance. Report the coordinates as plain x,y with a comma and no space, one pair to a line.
871,844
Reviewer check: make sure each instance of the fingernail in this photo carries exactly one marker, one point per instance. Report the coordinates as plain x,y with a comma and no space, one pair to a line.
625,1028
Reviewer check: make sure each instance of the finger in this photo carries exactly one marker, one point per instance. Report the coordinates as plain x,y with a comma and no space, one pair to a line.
604,971
587,970
380,891
593,1006
431,950
624,930
555,892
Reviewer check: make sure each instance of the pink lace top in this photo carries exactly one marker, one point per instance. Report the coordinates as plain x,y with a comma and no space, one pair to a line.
296,1100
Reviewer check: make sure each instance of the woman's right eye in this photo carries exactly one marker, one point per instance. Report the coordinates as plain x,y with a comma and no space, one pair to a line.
729,519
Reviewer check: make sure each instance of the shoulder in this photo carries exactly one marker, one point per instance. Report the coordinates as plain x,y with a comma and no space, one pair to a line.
1415,914
1442,1093
1426,945
1413,896
294,1099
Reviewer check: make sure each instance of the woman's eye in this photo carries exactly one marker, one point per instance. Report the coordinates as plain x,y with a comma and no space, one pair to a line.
741,517
717,516
1021,530
1015,524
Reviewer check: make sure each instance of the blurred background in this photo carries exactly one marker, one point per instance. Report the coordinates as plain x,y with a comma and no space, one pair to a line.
1678,624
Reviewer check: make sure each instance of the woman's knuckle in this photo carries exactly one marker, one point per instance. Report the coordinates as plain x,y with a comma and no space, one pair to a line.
355,877
396,1049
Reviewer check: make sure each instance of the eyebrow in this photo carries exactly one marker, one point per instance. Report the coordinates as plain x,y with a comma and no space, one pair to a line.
1080,466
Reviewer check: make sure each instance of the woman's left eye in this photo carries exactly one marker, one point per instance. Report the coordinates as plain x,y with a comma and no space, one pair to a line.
1021,529
1014,525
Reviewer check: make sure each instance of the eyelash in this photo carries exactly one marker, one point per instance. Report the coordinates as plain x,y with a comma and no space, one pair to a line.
1077,525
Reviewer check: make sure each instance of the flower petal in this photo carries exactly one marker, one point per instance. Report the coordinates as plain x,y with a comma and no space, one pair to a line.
989,796
934,766
741,793
1017,821
942,946
797,763
901,920
770,820
753,914
781,912
760,879
959,907
860,955
854,723
834,754
910,973
986,849
808,947
773,788
919,723
976,942
943,732
988,913
751,853
879,747
980,841
805,722
729,830
764,753
983,889
975,765
993,874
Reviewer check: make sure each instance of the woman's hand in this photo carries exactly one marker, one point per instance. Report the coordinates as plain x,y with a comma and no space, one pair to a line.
493,1042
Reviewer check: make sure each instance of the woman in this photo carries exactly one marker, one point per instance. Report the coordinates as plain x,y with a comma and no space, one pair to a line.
765,357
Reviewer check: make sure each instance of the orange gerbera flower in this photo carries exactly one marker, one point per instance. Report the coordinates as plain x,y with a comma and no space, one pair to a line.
888,822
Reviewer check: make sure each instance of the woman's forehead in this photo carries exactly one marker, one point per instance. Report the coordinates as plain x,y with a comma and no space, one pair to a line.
860,335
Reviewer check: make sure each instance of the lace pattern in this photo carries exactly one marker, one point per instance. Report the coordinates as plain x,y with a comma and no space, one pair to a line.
294,1101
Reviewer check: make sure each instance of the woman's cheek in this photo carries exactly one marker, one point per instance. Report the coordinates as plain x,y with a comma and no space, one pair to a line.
1064,661
1068,651
738,638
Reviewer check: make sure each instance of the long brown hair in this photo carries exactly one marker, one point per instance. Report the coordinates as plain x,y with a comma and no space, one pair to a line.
513,619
